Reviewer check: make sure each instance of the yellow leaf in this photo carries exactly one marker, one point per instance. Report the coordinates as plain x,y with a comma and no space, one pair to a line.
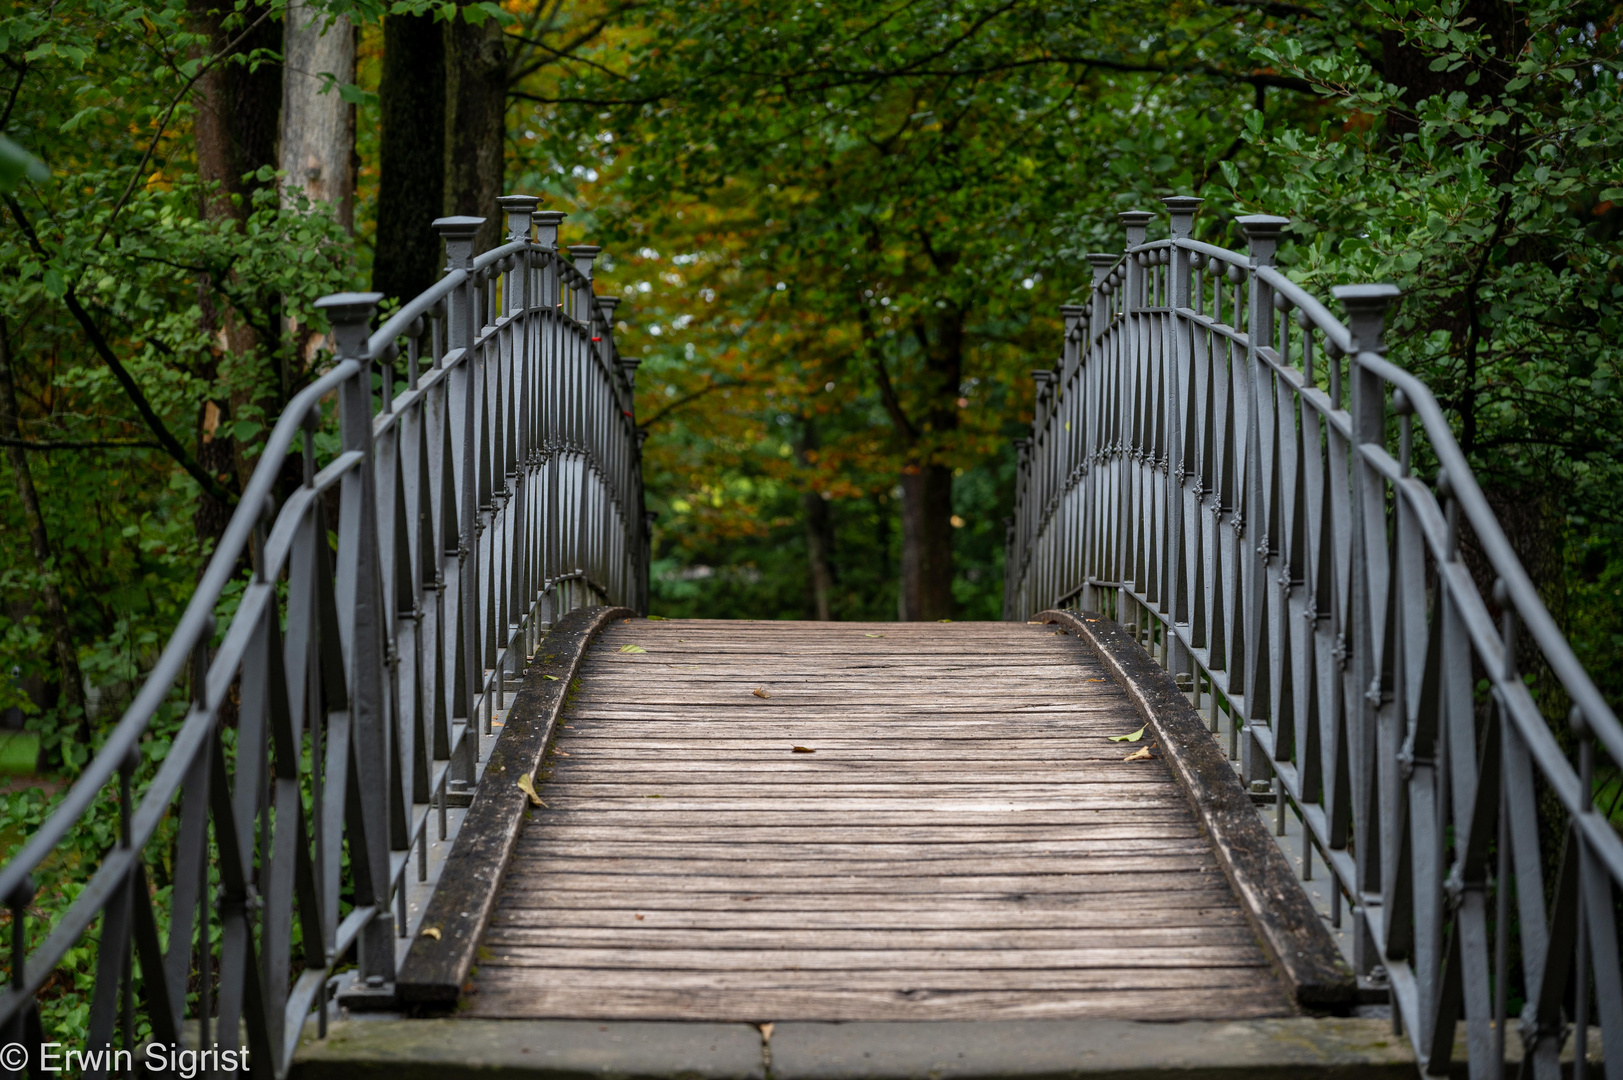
550,678
432,931
873,635
1141,754
801,750
1134,737
632,648
656,618
526,785
760,691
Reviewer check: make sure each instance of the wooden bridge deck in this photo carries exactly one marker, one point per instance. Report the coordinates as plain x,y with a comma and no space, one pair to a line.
962,843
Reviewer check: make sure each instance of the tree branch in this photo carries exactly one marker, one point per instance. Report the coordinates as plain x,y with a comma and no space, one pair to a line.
132,389
48,445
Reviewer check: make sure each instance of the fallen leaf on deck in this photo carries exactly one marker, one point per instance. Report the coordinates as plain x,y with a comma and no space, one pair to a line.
1095,680
656,618
550,678
873,635
760,691
526,785
632,648
1141,754
432,931
561,753
1134,737
640,918
801,750
766,1032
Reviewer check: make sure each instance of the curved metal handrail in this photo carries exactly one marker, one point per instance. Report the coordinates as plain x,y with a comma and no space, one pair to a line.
383,660
1289,565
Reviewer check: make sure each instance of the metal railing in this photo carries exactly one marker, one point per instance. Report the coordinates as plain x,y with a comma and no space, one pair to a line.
1222,464
488,481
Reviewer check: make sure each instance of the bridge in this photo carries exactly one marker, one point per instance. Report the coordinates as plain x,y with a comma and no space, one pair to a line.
1250,779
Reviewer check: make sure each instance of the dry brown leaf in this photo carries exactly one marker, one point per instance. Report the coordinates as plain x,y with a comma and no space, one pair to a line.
562,753
526,785
1095,680
432,931
766,1032
1141,754
640,918
760,691
801,750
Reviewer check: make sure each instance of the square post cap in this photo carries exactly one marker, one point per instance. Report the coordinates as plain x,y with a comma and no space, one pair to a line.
458,234
1073,314
1137,223
547,222
1101,261
350,314
1182,210
1366,313
1262,235
584,255
607,304
518,209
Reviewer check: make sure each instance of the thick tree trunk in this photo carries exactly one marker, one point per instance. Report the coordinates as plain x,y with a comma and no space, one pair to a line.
475,123
70,680
318,130
819,532
927,569
927,543
235,133
411,156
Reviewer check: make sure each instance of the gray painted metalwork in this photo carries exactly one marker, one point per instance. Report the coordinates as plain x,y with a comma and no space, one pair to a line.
1219,462
493,486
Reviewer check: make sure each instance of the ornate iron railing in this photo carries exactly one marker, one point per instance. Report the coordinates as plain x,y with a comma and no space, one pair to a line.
489,486
1219,462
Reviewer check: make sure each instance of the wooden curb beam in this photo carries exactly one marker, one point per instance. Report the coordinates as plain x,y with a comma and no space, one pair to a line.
1279,911
436,968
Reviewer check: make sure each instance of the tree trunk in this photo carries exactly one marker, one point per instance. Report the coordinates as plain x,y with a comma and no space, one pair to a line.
475,123
819,531
927,483
70,680
235,132
318,130
927,543
411,156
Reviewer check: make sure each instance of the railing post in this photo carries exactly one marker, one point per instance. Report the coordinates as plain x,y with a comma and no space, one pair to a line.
363,629
461,330
1257,467
1095,552
1181,456
1366,320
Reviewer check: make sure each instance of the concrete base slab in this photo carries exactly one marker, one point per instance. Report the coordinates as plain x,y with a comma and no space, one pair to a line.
1096,1050
447,1049
1331,1048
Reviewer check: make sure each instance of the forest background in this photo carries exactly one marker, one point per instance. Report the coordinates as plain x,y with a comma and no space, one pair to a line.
842,230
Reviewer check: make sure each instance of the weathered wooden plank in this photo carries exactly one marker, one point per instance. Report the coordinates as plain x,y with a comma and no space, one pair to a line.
1210,897
899,838
678,912
891,960
508,992
972,978
553,845
821,885
679,862
837,938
